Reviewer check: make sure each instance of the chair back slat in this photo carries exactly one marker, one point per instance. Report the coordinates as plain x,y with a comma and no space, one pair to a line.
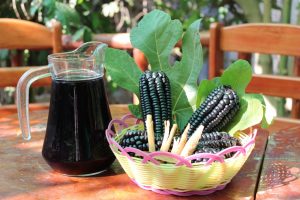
11,75
262,38
22,34
259,38
279,86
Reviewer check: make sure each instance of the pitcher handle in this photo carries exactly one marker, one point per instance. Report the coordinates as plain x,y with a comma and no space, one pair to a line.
23,96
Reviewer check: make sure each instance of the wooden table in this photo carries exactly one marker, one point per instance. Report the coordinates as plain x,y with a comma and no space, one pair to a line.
25,175
281,169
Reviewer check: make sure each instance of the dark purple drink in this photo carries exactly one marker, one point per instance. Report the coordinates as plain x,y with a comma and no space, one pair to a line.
75,142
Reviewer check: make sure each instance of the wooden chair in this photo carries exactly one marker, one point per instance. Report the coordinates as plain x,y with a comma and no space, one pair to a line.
20,34
259,38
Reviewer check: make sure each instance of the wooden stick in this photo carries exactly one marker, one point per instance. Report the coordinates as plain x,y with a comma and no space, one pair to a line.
172,133
191,144
150,132
166,133
166,146
183,140
175,145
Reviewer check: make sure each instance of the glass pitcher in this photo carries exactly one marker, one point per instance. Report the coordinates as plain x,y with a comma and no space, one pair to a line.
75,142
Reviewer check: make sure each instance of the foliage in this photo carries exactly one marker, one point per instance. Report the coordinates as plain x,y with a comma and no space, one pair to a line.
123,69
227,12
81,18
6,9
253,109
156,35
126,13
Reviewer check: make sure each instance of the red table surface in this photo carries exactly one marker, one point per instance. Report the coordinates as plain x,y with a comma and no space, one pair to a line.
281,169
25,175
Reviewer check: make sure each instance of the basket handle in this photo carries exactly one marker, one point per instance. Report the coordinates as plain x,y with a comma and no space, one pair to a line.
130,116
115,121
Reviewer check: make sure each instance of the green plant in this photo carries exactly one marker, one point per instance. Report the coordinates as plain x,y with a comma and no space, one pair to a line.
183,74
253,109
156,35
209,11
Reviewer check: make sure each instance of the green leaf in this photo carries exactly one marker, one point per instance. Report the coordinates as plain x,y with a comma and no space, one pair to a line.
250,114
183,76
84,33
238,75
268,115
67,15
135,110
49,8
78,35
205,87
183,116
156,35
87,35
253,108
122,69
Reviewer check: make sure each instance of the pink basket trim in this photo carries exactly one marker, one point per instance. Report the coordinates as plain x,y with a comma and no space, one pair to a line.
130,116
118,121
181,160
213,157
150,157
232,149
109,134
178,193
111,141
249,144
145,155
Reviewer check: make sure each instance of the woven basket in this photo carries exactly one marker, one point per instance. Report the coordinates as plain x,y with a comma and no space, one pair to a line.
180,177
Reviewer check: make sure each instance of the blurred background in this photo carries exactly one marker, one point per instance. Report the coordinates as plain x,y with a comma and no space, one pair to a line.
84,20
